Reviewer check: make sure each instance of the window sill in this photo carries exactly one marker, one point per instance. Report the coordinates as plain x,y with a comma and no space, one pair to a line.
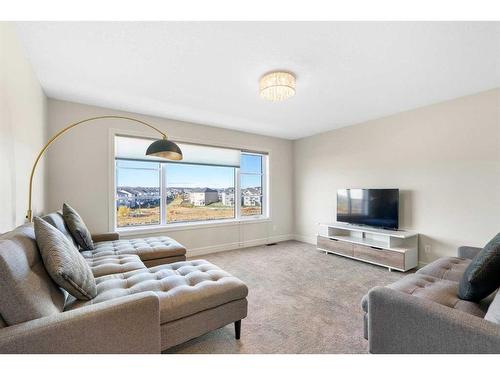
155,229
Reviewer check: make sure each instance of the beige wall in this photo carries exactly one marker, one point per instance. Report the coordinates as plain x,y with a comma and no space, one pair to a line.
78,170
22,131
445,158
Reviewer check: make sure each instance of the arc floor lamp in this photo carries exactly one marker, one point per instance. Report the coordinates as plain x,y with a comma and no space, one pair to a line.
162,148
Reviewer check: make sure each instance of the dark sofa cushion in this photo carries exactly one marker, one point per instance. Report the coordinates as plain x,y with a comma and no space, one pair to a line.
77,227
481,277
65,265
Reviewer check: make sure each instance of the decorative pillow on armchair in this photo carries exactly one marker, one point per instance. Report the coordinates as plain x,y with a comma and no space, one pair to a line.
77,227
481,277
63,262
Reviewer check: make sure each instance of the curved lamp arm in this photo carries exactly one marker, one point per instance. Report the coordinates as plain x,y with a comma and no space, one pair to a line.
29,214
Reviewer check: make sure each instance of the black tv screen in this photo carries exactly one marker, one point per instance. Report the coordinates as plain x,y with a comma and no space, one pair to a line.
373,207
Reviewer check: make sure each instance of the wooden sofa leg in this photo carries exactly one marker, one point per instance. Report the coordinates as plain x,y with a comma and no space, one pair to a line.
237,329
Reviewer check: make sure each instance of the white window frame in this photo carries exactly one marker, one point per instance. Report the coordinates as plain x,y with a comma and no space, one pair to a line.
160,185
164,226
263,182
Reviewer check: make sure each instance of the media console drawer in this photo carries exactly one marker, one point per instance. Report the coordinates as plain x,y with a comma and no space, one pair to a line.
394,249
381,256
336,246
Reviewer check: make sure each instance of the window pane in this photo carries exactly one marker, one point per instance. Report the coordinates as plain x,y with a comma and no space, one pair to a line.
251,195
199,193
137,193
251,163
251,181
251,205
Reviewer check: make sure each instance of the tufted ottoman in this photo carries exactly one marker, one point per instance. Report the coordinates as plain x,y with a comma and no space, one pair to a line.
151,250
195,297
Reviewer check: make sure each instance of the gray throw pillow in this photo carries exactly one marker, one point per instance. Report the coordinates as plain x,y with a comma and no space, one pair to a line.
480,278
63,262
77,228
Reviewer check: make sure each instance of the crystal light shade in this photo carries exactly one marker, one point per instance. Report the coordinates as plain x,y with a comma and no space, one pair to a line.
277,86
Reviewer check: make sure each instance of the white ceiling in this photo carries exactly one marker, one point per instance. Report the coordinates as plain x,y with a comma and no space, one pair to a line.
208,72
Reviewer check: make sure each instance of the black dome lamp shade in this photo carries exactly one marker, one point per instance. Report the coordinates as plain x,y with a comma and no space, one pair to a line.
164,148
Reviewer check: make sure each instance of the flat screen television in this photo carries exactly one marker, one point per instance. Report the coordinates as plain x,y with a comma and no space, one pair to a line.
372,207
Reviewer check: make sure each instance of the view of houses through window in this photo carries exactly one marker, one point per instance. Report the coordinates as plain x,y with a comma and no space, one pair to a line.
251,175
137,193
199,192
190,192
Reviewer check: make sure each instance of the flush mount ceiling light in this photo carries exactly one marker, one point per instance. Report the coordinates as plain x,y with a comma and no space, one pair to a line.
277,86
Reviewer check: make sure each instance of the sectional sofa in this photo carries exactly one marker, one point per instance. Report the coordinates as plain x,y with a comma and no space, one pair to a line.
149,298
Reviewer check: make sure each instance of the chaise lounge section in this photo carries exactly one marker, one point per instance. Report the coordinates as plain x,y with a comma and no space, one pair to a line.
152,251
138,309
194,294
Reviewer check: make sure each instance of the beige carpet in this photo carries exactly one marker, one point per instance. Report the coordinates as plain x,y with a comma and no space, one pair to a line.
300,301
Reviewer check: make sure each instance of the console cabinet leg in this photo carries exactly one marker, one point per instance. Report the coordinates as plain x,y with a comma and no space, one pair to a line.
237,329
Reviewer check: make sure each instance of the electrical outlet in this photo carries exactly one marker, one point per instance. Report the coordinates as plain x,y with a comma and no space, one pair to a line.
427,249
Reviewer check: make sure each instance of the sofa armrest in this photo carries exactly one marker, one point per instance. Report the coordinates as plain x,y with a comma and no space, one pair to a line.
128,324
101,237
401,323
468,252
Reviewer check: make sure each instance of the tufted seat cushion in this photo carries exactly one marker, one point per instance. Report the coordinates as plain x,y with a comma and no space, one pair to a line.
449,268
183,288
111,264
146,248
441,291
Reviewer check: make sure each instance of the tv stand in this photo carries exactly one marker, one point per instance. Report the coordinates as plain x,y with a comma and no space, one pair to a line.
394,249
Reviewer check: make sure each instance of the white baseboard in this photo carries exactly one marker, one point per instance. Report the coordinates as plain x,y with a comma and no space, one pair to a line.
237,245
306,239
